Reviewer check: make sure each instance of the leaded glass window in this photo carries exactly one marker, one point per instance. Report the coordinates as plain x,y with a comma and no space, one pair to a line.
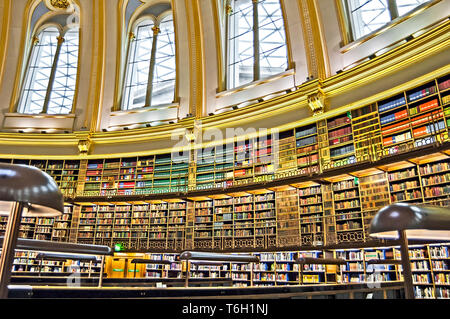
366,16
150,77
256,41
164,78
50,80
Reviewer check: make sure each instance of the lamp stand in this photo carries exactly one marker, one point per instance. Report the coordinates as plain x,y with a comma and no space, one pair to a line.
406,265
9,247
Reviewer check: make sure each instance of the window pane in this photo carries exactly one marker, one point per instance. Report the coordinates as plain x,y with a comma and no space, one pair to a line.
138,67
38,73
368,16
63,90
240,41
272,38
165,64
404,6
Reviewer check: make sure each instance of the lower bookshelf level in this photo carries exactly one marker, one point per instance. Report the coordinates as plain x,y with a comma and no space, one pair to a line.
430,267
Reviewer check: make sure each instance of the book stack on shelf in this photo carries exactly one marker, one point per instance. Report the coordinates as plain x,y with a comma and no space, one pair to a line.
223,217
366,132
140,220
244,226
122,223
347,205
288,226
311,212
379,273
307,149
440,262
340,137
87,224
241,275
265,214
394,121
374,195
204,219
144,174
421,271
263,158
285,270
243,162
404,185
354,270
224,165
205,168
426,115
444,93
161,220
312,274
105,222
286,152
435,179
264,272
62,225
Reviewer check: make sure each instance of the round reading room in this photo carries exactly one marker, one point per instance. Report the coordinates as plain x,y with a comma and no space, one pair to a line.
240,148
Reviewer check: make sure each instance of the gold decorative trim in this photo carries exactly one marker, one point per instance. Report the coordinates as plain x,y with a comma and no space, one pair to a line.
97,80
4,35
60,4
425,46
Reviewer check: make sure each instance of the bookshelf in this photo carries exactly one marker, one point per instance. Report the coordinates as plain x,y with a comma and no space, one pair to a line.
374,194
354,270
311,212
288,215
265,215
204,220
405,121
347,208
366,132
340,140
307,149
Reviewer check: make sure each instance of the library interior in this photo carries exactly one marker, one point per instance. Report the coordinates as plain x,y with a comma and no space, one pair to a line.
302,150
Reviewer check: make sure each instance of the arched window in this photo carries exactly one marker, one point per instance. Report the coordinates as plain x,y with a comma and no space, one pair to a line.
50,78
366,16
151,67
257,45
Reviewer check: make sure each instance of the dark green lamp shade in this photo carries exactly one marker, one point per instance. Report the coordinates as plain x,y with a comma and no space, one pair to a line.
423,222
30,186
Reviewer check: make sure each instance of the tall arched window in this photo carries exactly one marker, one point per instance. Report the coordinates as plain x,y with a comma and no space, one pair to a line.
256,37
151,68
50,78
366,16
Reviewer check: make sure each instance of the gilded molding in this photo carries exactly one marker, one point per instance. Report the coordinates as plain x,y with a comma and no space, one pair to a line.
4,35
196,66
314,41
97,81
411,53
